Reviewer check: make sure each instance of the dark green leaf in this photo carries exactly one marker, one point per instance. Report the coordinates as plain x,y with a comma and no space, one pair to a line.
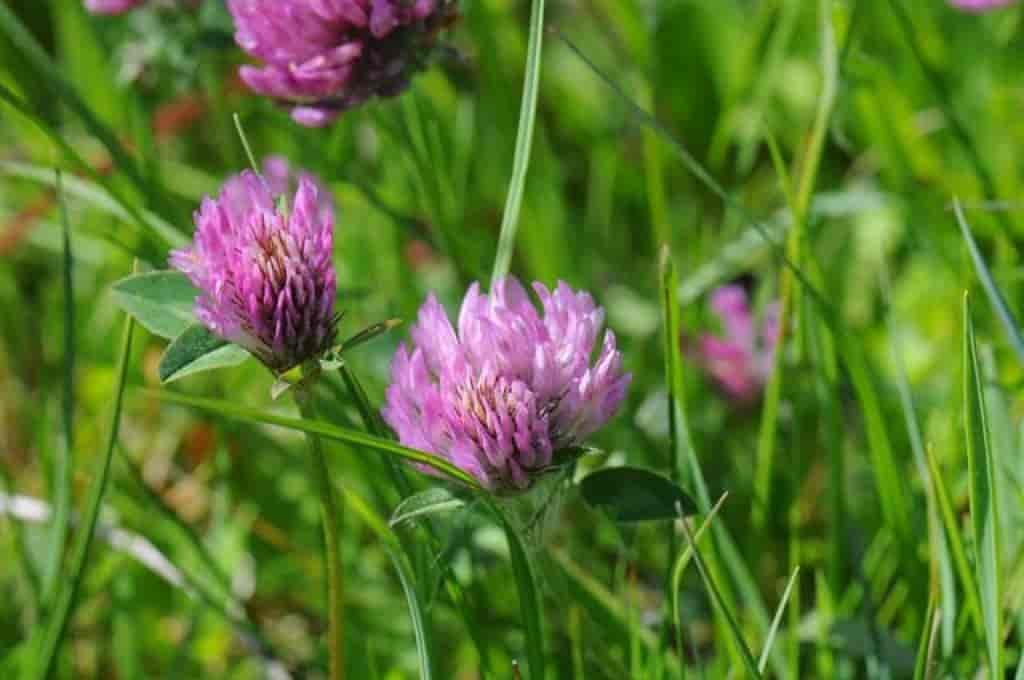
162,301
630,494
197,350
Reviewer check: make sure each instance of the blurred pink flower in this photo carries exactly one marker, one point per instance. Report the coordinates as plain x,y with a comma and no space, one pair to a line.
979,5
741,359
322,57
111,6
505,391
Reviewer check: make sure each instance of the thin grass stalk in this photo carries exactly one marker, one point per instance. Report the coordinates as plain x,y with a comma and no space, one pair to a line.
63,452
524,141
45,661
329,516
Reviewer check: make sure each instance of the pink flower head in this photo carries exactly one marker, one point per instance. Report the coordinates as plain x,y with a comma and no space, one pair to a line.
508,389
741,359
979,5
265,274
111,6
322,57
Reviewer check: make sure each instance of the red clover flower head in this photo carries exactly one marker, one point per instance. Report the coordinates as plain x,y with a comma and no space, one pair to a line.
508,389
265,272
740,360
322,57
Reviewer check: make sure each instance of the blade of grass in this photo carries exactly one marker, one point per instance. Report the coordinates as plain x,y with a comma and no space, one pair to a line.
983,497
789,304
53,634
680,567
51,76
530,606
945,100
956,542
63,452
329,518
926,647
995,297
323,429
716,597
158,230
524,140
887,478
762,662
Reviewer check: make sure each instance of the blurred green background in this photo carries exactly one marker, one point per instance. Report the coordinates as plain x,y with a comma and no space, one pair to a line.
879,112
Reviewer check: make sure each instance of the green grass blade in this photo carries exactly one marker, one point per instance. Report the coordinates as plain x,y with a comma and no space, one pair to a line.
995,297
983,496
524,141
762,662
51,76
316,427
926,645
63,452
530,605
415,613
679,568
681,445
57,622
956,541
716,597
163,232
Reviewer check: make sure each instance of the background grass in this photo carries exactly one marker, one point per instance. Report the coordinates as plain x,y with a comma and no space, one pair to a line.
810,150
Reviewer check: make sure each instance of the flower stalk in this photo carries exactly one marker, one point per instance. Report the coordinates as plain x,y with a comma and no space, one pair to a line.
329,517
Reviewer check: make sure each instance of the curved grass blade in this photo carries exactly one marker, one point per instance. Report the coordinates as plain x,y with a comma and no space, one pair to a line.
926,646
762,662
63,460
524,140
323,429
159,231
56,624
415,613
51,77
716,597
988,283
680,567
981,467
529,599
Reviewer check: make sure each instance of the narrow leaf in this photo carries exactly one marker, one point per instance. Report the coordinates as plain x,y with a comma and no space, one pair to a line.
529,600
716,597
428,502
763,661
984,504
353,437
995,297
630,494
524,139
56,623
197,350
63,462
162,302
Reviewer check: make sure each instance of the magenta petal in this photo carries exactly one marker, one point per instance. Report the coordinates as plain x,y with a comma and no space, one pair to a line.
500,394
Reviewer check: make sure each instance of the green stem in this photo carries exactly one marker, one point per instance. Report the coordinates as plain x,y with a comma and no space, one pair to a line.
524,139
64,601
329,514
529,597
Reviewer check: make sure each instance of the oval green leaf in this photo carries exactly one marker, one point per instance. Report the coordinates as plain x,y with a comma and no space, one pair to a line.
631,494
161,301
197,350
